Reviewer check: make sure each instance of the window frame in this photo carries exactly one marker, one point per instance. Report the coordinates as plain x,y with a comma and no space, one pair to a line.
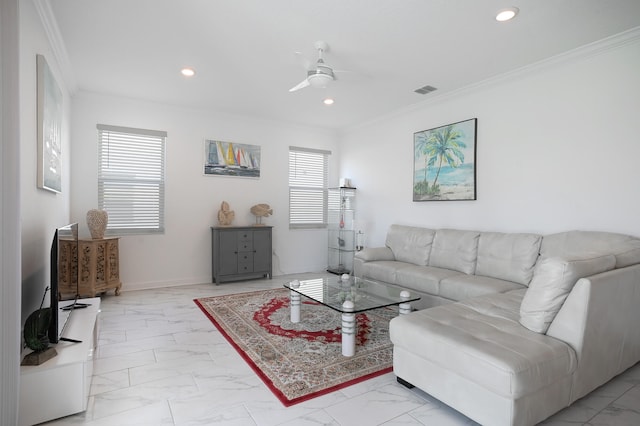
144,152
314,189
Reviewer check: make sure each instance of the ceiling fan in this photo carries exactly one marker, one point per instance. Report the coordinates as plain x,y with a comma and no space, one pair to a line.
319,74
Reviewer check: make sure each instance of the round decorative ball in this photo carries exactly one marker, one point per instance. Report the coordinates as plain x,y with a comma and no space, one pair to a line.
97,222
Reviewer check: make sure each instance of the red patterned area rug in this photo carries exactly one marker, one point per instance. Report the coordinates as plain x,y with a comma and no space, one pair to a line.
304,360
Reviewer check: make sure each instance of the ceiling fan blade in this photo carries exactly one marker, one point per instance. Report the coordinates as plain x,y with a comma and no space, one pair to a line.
304,83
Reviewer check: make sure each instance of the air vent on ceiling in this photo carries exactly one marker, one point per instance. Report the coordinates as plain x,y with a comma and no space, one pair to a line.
426,89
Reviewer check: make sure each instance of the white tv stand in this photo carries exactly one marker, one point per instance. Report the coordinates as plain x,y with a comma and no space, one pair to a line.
60,386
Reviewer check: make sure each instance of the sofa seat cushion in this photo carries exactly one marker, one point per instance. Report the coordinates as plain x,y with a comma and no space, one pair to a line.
509,257
462,286
481,340
424,279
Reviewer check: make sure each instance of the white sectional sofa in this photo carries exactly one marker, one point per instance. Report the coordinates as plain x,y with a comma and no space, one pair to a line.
511,328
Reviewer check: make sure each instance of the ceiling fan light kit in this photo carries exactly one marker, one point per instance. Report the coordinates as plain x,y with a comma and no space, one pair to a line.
319,81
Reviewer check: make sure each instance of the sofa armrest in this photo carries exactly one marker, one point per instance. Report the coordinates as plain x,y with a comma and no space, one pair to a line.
369,255
375,253
599,320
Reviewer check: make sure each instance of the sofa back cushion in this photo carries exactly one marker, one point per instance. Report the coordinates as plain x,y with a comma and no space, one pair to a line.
410,244
455,249
625,248
553,280
509,257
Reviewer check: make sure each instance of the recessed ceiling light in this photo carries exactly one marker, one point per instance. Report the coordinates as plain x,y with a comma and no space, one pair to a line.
188,72
328,101
507,14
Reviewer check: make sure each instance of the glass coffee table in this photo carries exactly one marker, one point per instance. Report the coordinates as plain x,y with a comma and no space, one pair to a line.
349,296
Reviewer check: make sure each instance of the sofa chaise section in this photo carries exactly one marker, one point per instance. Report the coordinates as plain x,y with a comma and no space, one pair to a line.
475,356
517,331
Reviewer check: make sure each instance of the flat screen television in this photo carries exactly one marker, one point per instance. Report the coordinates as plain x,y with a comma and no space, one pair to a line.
64,280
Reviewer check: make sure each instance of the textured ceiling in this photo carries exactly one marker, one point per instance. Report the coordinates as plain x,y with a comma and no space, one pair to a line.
243,50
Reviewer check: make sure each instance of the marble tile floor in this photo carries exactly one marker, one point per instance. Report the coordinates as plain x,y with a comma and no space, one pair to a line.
161,362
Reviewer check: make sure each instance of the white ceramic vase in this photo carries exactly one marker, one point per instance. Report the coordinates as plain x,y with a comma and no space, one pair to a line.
97,223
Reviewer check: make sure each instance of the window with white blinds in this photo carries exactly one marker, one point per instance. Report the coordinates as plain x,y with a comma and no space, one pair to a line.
131,179
308,170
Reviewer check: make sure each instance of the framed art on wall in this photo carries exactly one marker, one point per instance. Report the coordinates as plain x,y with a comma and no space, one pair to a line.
49,128
231,159
444,162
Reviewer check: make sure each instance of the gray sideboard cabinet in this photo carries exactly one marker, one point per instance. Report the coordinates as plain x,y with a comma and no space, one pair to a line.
240,252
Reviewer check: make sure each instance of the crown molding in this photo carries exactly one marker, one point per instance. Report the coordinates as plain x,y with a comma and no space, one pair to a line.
580,53
48,19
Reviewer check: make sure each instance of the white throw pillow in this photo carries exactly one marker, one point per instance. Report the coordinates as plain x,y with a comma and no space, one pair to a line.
553,279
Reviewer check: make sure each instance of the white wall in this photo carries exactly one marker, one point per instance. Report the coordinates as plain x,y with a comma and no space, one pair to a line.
42,211
557,149
183,254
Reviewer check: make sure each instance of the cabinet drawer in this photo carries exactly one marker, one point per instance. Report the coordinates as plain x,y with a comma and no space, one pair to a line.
245,262
245,240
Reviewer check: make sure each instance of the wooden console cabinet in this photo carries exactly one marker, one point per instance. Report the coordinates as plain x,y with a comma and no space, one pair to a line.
98,266
240,252
90,270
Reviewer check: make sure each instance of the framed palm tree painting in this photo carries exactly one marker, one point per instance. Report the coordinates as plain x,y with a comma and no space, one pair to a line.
444,162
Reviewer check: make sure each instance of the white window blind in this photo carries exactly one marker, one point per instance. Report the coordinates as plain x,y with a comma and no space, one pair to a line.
131,179
308,170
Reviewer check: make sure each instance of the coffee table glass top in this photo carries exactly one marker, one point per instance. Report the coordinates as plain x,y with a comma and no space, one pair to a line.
365,294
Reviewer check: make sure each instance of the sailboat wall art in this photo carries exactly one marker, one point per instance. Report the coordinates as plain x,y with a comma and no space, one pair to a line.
231,159
444,162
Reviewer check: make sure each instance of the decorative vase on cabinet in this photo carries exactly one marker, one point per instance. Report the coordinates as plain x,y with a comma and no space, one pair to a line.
97,222
341,207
